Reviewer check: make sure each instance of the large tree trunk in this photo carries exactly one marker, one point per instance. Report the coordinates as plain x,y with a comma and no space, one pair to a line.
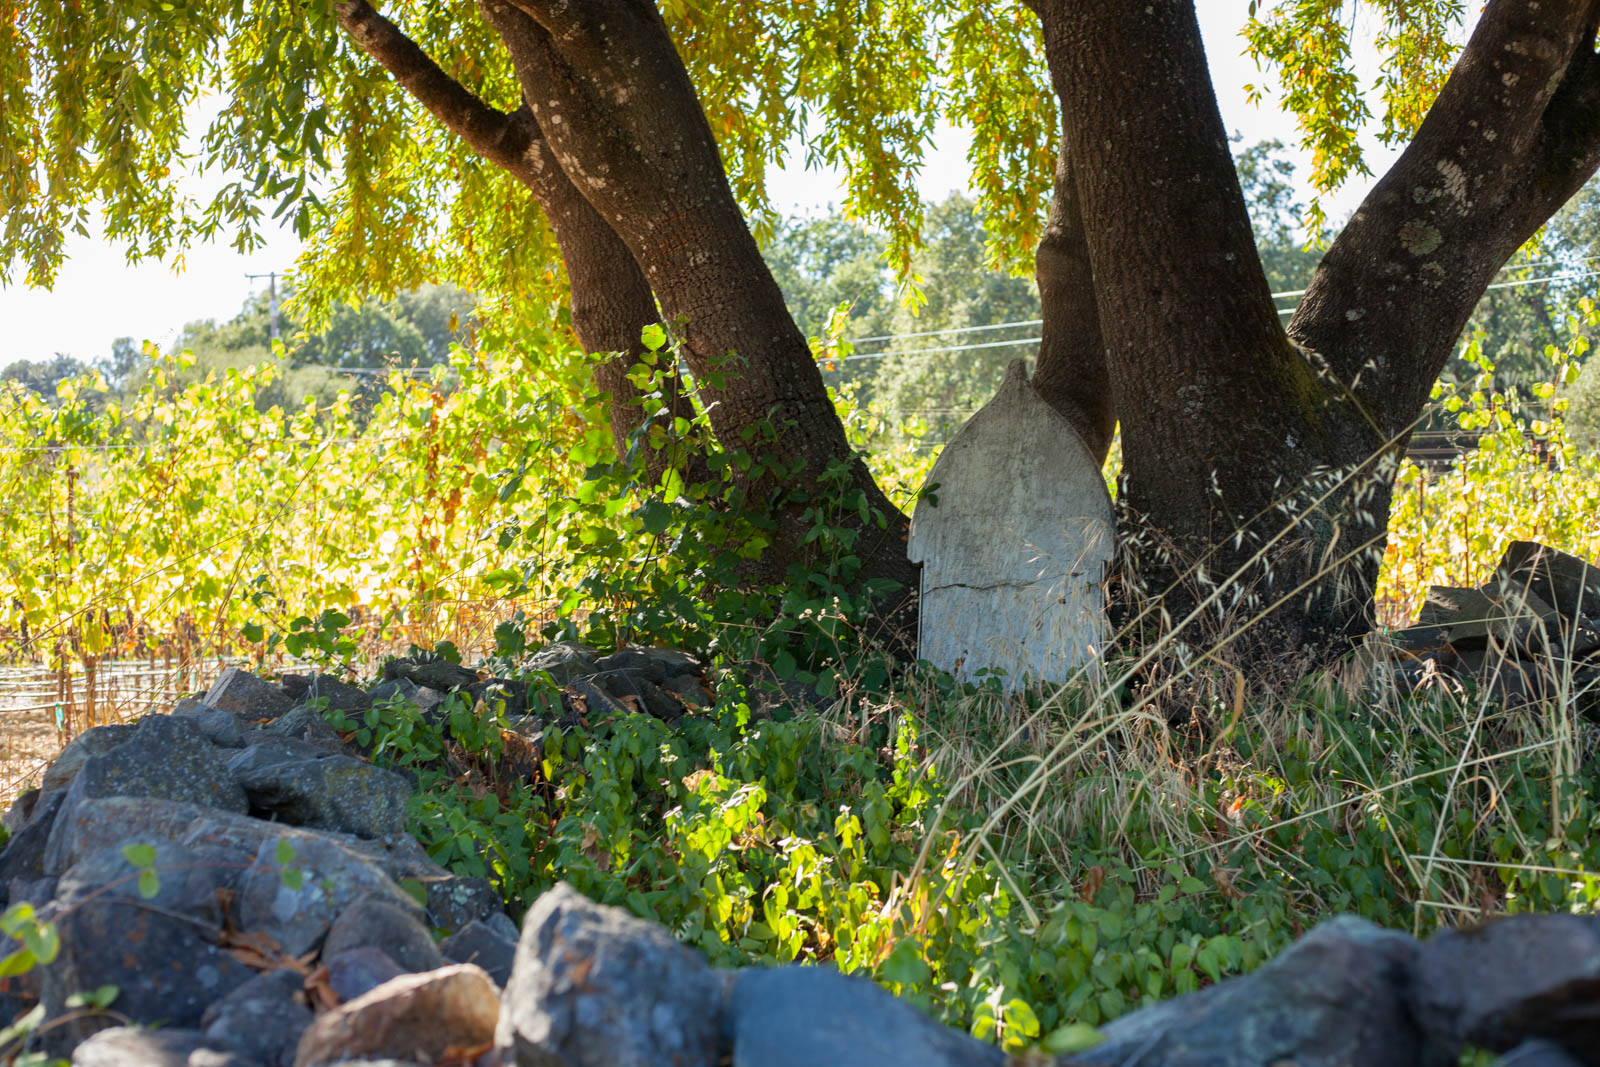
611,301
1071,373
1261,456
1225,425
611,93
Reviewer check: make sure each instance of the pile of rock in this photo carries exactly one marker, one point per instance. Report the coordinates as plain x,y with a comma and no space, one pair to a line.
592,986
282,865
662,682
286,879
1530,634
294,923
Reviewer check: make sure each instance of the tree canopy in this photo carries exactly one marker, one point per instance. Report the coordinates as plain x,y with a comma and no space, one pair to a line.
1256,450
107,107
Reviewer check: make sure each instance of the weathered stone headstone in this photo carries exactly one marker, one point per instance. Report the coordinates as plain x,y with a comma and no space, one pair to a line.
1013,534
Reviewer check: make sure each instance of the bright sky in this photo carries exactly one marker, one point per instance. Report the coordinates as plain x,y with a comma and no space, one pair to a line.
99,296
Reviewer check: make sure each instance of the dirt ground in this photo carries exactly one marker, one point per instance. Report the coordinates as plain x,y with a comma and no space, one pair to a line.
39,715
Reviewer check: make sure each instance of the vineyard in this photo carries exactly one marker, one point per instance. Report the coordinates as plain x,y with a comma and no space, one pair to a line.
191,522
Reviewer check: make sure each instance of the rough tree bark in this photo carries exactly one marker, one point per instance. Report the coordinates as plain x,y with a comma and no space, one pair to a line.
611,301
622,118
607,98
1250,450
1071,372
1253,450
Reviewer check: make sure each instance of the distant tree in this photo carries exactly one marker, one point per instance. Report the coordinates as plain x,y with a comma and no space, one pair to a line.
43,375
125,363
824,261
1277,214
415,329
925,379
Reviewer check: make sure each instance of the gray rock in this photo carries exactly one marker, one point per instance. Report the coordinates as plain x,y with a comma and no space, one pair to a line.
166,966
189,878
222,728
113,820
266,750
261,1019
808,1015
455,900
502,924
393,690
598,701
688,688
1538,1054
24,855
631,660
673,663
95,741
593,986
132,1046
1337,997
419,1015
20,811
305,723
660,703
650,698
1570,583
295,686
433,673
1512,980
377,921
564,661
478,942
357,971
35,891
340,696
164,759
298,910
340,793
249,697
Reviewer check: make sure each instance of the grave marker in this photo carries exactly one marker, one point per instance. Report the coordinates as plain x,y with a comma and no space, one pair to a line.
1015,549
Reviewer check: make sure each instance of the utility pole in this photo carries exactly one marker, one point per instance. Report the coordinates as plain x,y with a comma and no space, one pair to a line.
272,299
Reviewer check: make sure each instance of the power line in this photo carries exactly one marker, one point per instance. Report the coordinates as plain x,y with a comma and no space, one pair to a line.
1276,296
935,351
956,329
1035,322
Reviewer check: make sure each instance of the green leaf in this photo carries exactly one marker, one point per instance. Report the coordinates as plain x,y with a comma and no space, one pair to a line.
26,1024
1074,1037
139,855
43,941
653,337
416,891
1021,1022
19,962
96,999
284,853
905,965
784,665
149,884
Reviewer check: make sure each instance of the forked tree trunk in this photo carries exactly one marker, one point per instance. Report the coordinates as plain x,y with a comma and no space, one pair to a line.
1251,458
607,86
1257,461
611,301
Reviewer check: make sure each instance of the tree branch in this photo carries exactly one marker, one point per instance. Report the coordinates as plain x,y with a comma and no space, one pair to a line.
1071,373
512,141
1514,133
